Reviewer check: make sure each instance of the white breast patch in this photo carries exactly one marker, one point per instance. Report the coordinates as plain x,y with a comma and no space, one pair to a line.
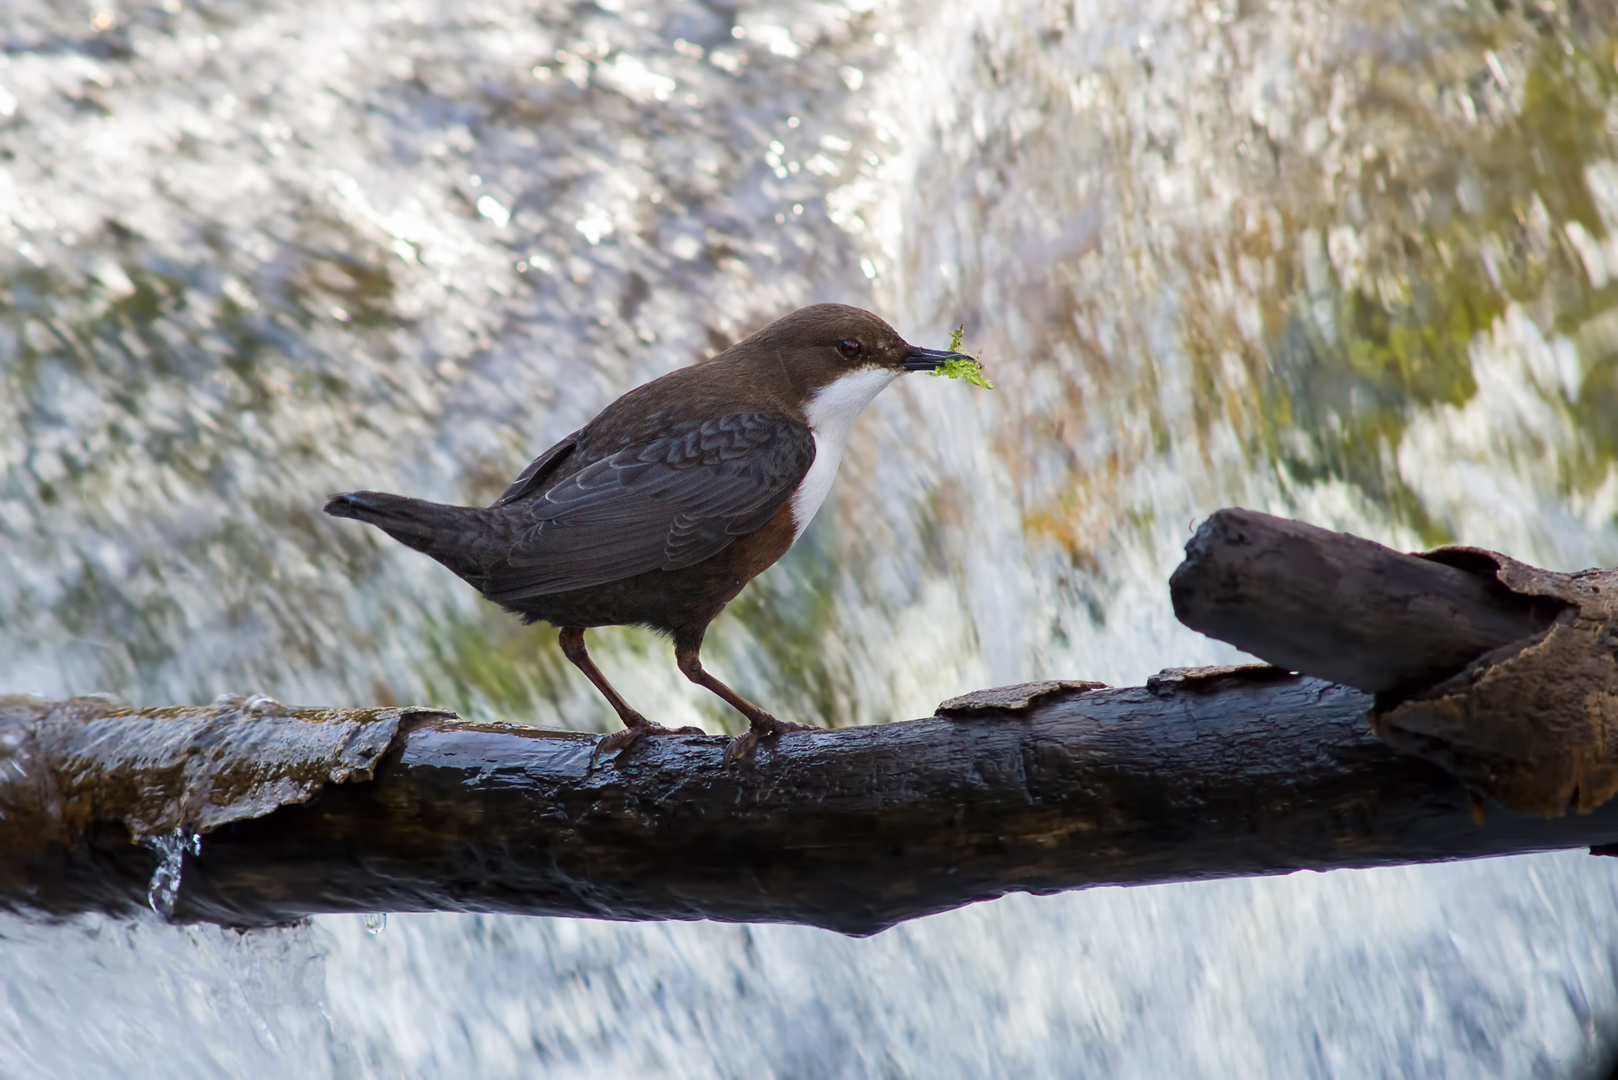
831,414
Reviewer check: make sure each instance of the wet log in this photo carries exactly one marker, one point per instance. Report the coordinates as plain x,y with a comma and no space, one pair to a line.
1343,608
1200,774
1460,677
1503,673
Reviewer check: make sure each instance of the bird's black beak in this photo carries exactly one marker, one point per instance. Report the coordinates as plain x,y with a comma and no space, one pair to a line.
918,359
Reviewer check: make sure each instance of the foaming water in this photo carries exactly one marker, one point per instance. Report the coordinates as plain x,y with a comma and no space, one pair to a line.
94,997
1066,986
1348,261
1469,972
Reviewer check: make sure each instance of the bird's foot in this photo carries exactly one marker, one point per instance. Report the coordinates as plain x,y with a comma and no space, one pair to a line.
764,726
633,730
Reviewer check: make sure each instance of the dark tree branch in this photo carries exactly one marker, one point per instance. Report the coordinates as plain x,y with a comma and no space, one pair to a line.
1498,672
1505,674
1250,772
1342,608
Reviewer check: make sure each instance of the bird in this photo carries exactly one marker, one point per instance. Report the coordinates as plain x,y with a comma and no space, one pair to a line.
662,508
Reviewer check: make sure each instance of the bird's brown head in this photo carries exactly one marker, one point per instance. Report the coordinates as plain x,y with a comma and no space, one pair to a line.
821,344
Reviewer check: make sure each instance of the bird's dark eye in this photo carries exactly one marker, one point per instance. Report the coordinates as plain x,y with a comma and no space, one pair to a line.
849,348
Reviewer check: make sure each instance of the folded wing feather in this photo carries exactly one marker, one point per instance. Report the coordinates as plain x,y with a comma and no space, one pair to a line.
665,503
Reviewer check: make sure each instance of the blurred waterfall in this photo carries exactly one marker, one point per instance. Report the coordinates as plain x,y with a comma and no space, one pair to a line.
1355,262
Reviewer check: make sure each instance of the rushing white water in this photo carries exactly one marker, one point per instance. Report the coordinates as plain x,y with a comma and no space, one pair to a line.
1345,260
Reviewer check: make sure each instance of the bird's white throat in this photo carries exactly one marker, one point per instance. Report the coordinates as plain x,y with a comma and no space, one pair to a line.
831,412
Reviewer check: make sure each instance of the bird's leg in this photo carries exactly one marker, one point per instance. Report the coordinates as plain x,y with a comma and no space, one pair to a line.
635,725
688,655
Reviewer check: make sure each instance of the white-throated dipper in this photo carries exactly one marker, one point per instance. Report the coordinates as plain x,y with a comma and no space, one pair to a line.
657,512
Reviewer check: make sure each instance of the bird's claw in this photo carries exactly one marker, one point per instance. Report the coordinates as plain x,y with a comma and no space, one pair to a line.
631,733
741,747
768,727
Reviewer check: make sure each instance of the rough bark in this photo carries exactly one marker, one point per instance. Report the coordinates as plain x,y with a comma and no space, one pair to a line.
1342,608
1505,674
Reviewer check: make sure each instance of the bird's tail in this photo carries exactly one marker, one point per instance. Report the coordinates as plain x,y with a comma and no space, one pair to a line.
456,536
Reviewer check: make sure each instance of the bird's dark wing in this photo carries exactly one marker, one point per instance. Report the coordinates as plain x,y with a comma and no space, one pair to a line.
539,470
668,502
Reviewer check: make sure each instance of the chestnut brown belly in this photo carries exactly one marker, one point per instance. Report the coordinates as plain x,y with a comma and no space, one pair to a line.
668,600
